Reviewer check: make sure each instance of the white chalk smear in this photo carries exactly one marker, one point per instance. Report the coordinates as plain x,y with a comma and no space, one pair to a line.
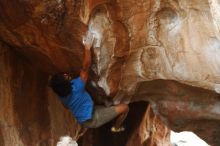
66,141
186,138
217,88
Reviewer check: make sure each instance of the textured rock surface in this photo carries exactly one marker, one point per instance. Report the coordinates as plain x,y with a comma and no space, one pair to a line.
164,52
30,114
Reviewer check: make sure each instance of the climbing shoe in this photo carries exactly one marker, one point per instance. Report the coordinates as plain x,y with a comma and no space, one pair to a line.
120,129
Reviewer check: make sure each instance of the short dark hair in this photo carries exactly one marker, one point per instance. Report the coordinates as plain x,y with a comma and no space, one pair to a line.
60,85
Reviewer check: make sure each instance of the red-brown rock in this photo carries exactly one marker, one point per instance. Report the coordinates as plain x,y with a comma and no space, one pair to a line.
165,53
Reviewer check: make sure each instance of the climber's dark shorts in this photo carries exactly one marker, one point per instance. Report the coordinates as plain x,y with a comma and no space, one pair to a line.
101,115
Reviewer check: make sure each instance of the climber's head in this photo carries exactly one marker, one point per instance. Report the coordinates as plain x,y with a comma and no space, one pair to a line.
61,85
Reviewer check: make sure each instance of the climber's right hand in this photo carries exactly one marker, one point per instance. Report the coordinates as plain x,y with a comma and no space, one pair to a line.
88,40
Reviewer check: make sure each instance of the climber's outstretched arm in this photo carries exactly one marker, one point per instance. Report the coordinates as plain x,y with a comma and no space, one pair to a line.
87,41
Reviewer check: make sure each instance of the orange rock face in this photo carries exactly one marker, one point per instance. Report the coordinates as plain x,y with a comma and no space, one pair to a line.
163,52
30,114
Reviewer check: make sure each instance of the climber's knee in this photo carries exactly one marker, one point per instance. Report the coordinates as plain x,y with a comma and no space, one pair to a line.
121,108
101,115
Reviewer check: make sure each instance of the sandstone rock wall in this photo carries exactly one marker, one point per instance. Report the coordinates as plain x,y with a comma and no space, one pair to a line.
30,114
148,40
164,52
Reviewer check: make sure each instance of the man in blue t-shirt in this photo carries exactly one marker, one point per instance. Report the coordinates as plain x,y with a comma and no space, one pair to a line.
73,95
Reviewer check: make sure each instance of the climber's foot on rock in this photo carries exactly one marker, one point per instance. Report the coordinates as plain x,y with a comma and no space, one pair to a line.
116,130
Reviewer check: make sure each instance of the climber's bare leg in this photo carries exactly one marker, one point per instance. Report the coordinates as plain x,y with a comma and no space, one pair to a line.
122,111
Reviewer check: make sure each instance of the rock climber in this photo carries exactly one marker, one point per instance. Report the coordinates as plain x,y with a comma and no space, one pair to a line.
73,95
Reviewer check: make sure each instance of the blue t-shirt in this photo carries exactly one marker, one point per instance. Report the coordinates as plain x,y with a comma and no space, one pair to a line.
79,101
